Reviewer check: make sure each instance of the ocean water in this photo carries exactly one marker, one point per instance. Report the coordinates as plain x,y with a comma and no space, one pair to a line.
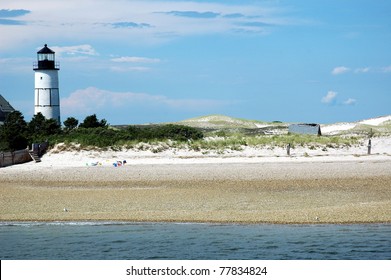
88,240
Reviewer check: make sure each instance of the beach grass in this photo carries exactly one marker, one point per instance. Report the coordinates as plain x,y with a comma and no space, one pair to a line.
233,142
276,141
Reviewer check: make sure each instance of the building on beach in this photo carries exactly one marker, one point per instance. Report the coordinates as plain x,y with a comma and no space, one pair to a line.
5,109
305,128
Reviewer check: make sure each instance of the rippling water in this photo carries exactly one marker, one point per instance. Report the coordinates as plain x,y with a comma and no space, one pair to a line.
193,241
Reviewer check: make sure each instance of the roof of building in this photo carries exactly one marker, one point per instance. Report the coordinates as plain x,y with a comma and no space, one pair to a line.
306,124
45,49
5,108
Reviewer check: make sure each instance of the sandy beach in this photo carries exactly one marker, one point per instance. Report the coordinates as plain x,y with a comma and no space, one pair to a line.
317,188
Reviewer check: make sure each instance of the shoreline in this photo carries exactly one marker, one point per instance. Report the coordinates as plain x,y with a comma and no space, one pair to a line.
285,192
126,222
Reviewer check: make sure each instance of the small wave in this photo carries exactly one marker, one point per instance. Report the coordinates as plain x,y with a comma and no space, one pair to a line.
63,223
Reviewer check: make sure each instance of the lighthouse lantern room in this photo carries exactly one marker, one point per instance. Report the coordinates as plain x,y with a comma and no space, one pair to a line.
47,96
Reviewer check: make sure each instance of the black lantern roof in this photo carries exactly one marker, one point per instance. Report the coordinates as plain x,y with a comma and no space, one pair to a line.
45,49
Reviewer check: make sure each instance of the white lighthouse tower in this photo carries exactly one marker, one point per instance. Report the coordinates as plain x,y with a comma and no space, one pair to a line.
47,97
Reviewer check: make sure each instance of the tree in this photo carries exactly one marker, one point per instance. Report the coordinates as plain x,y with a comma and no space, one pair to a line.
93,122
14,131
40,127
37,124
52,127
70,123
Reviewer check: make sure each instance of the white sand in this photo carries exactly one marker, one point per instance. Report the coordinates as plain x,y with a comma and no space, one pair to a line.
376,121
381,150
334,129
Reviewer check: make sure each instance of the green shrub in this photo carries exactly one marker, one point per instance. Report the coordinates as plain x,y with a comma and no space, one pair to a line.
169,131
93,122
105,137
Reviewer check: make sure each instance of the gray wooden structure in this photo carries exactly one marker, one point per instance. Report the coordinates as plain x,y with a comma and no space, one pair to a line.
17,157
305,128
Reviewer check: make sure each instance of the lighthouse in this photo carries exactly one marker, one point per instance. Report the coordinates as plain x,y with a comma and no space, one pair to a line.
47,96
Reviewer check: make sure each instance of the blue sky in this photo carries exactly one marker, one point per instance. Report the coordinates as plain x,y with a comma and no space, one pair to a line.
136,62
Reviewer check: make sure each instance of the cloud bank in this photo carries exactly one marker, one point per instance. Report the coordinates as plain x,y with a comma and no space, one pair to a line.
134,22
92,100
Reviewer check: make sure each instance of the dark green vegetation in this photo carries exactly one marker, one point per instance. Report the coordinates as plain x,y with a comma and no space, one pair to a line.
105,136
209,133
17,134
14,132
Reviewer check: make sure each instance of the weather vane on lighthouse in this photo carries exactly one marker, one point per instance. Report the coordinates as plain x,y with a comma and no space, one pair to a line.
47,96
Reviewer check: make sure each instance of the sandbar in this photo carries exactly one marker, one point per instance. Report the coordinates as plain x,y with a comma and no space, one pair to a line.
293,192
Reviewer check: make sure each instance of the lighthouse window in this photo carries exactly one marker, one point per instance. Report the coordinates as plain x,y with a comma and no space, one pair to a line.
46,56
41,78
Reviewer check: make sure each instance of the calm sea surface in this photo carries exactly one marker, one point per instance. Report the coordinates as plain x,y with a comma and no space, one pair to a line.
193,241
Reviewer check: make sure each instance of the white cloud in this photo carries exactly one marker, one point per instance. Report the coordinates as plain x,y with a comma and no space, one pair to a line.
75,50
124,61
362,70
93,99
135,59
329,97
129,69
340,70
350,101
386,69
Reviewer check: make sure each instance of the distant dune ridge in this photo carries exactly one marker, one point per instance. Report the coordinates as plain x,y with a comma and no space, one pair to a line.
221,121
383,124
